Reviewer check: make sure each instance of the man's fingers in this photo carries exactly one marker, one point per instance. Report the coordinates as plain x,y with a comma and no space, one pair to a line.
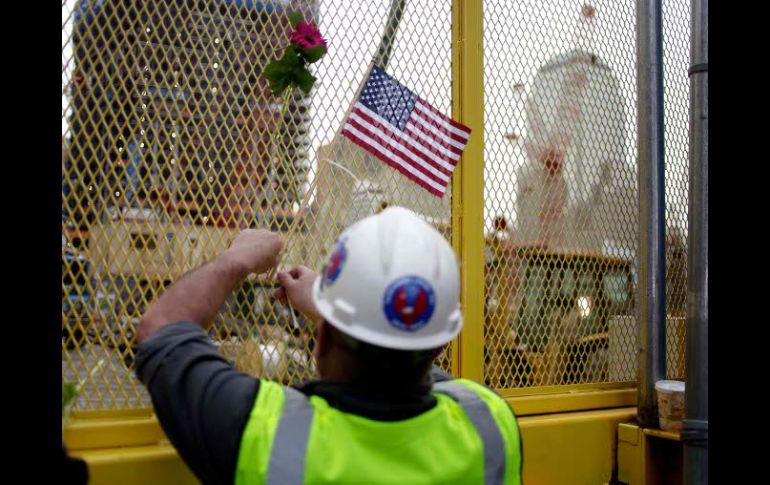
303,272
294,276
285,278
298,272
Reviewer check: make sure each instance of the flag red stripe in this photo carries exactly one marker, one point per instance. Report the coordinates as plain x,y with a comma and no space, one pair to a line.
440,131
401,144
448,120
417,126
378,138
393,164
443,155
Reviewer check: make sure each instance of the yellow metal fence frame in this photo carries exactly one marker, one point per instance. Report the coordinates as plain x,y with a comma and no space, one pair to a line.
137,427
468,234
468,182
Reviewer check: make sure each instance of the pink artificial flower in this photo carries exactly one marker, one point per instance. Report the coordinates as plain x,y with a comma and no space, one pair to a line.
307,36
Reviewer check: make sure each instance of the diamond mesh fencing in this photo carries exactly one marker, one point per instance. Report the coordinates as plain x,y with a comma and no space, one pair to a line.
561,191
676,99
172,143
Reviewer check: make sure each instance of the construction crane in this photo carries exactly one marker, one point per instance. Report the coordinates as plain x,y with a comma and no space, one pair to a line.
556,278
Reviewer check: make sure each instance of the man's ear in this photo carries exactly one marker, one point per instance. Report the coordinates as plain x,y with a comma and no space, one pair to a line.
436,352
323,338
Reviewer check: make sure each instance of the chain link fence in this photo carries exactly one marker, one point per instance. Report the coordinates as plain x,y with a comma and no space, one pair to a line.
561,191
676,99
172,143
168,150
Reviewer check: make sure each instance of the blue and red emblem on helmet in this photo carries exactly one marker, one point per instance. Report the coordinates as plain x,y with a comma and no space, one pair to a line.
409,303
336,262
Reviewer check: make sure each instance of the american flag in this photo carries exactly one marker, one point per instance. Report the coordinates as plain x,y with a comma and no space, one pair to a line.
396,126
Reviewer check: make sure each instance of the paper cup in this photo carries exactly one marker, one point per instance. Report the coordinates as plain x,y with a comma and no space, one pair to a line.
670,404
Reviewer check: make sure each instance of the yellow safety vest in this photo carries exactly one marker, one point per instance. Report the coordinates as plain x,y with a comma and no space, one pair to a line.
469,437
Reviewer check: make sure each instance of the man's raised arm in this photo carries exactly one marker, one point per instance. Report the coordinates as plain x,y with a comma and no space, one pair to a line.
199,294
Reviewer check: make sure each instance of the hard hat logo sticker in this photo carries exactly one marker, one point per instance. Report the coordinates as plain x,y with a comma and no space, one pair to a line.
409,303
336,262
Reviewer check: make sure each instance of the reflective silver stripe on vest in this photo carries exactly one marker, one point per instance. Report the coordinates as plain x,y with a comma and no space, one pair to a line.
287,458
479,414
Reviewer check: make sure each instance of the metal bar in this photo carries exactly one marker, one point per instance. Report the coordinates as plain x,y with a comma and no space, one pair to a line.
468,180
569,402
457,176
652,293
382,57
695,430
457,106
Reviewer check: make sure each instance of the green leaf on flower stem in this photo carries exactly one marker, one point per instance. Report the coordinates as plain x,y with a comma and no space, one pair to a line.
304,80
313,54
278,87
274,71
290,70
295,18
69,391
279,75
292,56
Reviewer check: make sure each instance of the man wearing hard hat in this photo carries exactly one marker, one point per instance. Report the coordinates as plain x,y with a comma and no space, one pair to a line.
384,306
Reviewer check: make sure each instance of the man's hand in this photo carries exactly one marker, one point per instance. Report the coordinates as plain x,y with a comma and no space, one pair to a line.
254,251
297,286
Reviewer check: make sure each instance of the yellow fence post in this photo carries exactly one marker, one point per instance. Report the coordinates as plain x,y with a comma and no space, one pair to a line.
468,183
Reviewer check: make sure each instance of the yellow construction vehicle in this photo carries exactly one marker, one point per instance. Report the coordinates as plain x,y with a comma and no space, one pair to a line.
552,311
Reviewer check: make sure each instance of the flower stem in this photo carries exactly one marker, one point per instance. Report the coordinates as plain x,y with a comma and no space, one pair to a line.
287,96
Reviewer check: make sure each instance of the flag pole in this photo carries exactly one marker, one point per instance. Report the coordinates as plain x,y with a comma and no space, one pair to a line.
381,59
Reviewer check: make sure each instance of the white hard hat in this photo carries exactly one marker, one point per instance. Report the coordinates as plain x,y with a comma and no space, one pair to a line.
393,281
